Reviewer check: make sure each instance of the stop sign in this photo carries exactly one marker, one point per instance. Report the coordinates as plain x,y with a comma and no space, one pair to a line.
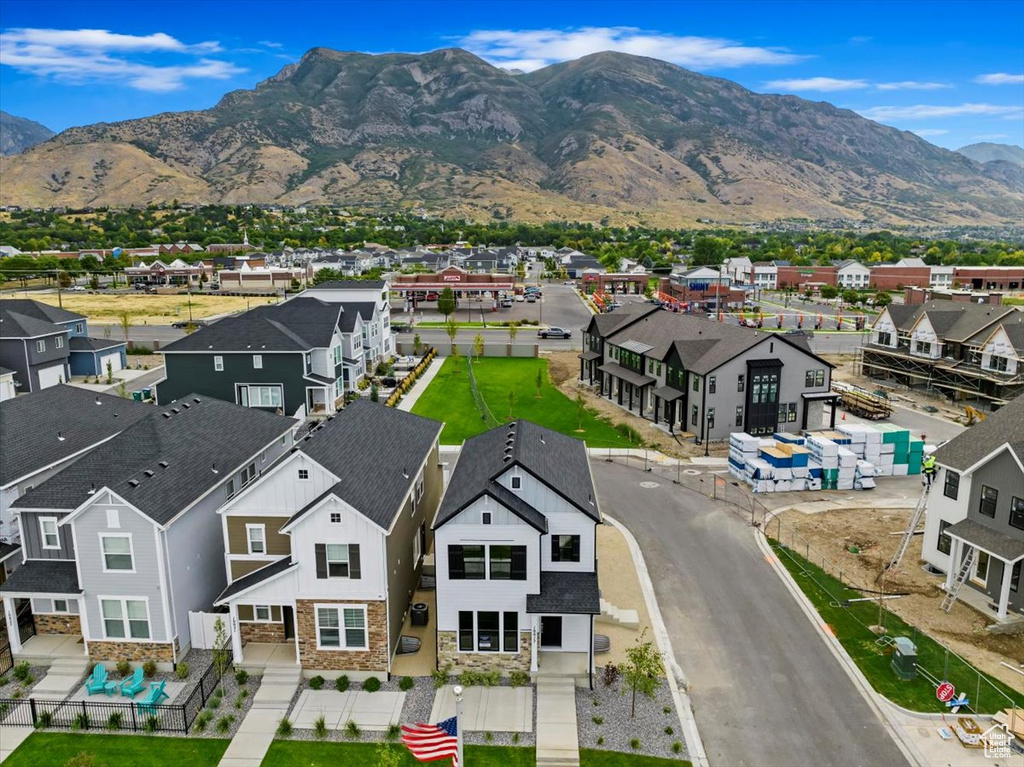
945,692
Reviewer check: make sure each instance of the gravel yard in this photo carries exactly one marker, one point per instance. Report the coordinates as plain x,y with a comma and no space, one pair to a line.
604,712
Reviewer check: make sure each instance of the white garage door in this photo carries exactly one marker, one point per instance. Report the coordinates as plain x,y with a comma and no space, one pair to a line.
51,376
113,359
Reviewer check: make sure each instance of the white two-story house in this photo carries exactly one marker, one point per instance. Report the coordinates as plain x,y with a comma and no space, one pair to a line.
516,557
376,292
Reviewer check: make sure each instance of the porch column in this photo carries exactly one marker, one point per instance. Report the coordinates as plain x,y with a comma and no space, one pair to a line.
631,398
236,633
13,634
534,643
1004,591
295,631
582,363
657,408
954,563
83,622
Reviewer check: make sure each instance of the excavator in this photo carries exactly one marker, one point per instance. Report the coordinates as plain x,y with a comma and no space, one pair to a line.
973,415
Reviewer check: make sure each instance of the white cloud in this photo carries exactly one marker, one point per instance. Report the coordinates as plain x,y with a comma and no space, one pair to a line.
912,85
999,78
929,131
926,111
531,49
270,44
87,56
991,136
822,84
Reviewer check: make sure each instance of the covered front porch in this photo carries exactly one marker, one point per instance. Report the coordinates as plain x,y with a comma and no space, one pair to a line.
627,388
562,623
42,600
993,583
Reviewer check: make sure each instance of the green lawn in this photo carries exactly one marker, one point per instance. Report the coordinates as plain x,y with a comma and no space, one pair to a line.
449,399
595,758
874,661
311,754
51,749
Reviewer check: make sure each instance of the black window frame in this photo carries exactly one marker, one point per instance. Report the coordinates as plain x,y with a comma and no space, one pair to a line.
951,480
517,482
467,633
510,636
739,415
712,384
493,631
565,548
984,502
1017,512
503,571
944,544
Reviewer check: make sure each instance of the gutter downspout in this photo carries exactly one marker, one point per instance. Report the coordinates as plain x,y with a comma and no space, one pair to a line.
703,407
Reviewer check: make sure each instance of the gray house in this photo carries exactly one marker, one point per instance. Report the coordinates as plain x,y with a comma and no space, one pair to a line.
975,513
704,377
44,432
123,543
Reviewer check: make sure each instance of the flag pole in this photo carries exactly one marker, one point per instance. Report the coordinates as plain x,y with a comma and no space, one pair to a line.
458,721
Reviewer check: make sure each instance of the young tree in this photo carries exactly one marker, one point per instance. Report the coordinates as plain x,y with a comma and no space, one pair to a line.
110,373
417,345
511,403
446,302
221,654
851,297
374,392
539,382
126,325
64,279
581,409
478,346
94,282
513,331
642,669
451,327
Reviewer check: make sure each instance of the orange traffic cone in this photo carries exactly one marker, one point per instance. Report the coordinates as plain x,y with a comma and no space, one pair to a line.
843,418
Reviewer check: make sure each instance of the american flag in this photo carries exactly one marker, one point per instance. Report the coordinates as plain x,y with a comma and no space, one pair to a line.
430,742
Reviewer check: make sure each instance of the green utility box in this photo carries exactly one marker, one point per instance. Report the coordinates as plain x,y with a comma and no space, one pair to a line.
904,659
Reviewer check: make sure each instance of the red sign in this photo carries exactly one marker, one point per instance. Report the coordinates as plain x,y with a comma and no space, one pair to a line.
452,277
945,692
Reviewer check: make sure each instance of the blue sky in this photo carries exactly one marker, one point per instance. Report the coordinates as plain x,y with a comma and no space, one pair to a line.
952,72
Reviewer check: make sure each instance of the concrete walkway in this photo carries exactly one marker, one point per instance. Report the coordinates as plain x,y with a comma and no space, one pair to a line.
63,676
269,706
421,384
12,738
558,742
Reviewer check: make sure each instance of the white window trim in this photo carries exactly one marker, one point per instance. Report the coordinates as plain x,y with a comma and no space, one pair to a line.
347,561
131,551
981,581
302,478
41,345
257,362
124,619
270,614
416,553
341,626
248,538
55,611
42,532
59,342
218,363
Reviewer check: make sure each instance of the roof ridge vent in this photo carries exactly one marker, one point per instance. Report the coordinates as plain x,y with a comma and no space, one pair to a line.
148,472
163,464
175,410
196,400
186,406
166,415
133,482
506,459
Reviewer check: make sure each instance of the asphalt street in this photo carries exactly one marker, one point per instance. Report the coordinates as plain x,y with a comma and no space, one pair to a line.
766,689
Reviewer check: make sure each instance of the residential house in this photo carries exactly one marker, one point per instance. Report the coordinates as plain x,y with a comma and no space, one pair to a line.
852,275
44,432
378,339
702,376
966,351
119,546
299,357
766,276
976,510
516,554
324,552
739,270
8,390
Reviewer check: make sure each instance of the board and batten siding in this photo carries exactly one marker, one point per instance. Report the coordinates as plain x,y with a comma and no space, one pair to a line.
143,583
943,509
32,536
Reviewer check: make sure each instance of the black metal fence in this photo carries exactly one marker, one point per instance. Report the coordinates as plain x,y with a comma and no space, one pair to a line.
6,659
112,715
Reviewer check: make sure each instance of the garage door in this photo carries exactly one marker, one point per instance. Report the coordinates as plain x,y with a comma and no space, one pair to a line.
113,359
51,376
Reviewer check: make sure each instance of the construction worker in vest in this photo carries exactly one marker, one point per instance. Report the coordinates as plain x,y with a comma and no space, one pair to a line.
928,468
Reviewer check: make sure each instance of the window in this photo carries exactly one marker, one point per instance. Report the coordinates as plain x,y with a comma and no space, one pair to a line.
41,345
980,568
341,628
256,537
740,381
565,548
218,363
418,492
230,487
415,548
248,474
337,561
1017,513
951,488
997,363
335,517
485,518
303,474
476,566
337,355
78,327
809,378
712,384
517,482
510,631
819,377
711,418
262,613
125,618
257,361
989,496
657,369
488,630
59,342
470,562
117,553
945,543
696,383
792,412
48,531
60,605
739,415
501,563
693,415
466,643
264,396
924,347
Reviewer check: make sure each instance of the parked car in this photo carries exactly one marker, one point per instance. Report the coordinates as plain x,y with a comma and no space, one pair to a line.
569,282
505,303
531,298
554,332
187,323
77,288
431,297
520,298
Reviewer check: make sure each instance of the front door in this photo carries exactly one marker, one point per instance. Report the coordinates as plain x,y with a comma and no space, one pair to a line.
763,398
551,631
288,616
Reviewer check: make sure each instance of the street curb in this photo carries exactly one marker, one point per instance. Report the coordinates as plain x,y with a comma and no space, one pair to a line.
676,678
877,702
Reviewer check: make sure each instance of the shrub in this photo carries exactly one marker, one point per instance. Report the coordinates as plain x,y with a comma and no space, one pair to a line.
597,720
469,678
224,723
666,709
240,700
634,743
44,720
600,741
341,683
440,676
669,731
320,727
406,683
81,759
611,674
149,668
519,678
677,747
393,732
316,682
17,694
214,701
241,676
351,730
284,727
515,738
488,736
80,722
3,680
182,671
202,720
490,678
597,702
152,724
22,671
372,684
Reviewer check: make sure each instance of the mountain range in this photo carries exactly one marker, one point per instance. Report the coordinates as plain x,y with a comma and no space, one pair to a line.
989,152
18,134
608,136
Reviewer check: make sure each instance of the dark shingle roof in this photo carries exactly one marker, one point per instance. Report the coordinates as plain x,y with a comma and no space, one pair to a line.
17,325
953,320
566,592
37,576
204,434
8,549
256,576
555,459
1005,426
40,310
992,541
371,448
902,315
30,425
86,344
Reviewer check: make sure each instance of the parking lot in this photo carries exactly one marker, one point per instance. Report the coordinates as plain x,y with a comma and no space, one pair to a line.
558,305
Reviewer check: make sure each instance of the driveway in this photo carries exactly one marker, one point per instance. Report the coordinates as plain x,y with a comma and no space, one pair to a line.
766,690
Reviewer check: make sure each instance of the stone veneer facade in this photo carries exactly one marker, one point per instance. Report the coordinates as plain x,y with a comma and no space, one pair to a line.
373,659
136,652
448,655
261,632
57,623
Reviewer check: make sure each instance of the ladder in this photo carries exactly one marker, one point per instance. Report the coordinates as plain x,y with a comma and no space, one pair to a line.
954,590
908,535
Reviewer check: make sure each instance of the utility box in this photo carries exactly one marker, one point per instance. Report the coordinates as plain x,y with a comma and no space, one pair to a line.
420,614
904,658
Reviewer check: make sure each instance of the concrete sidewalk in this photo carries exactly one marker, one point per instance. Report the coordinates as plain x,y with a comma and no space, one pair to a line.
257,730
558,743
12,738
421,384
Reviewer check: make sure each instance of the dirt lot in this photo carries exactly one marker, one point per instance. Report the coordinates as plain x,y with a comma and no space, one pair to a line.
146,308
832,534
564,369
